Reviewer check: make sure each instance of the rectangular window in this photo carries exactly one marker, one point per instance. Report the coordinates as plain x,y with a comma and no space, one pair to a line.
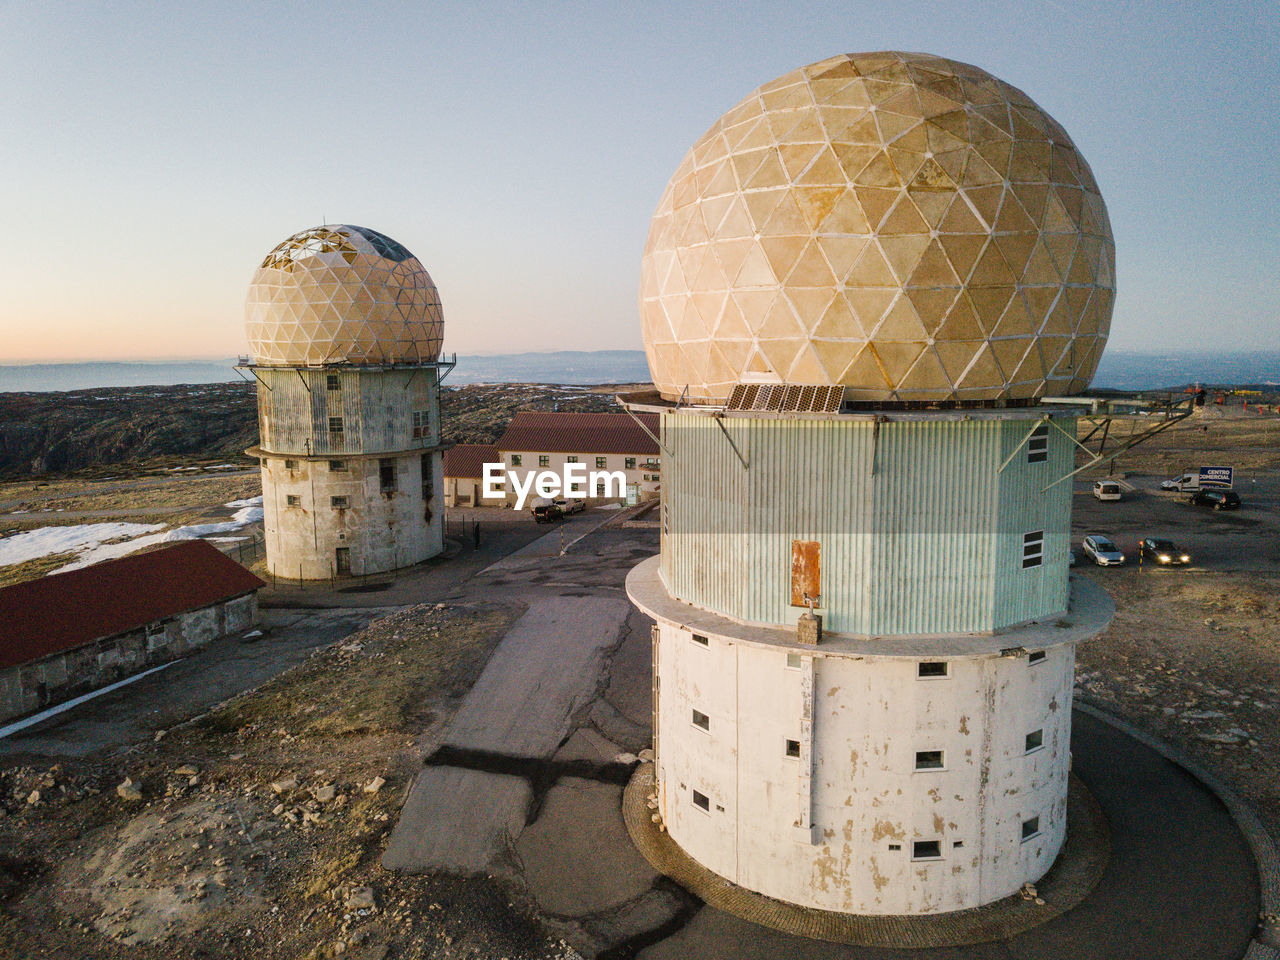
926,850
337,466
1032,549
339,503
1038,445
793,748
544,461
428,486
629,463
700,719
421,424
342,561
335,425
293,500
701,801
1035,740
699,638
1030,828
793,661
517,460
931,669
602,462
1035,656
387,476
570,459
331,382
291,464
928,759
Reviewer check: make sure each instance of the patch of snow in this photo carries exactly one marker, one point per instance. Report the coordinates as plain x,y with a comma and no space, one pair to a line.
224,466
33,544
251,502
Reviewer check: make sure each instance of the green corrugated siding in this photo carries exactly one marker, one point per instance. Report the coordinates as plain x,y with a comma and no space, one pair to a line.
913,548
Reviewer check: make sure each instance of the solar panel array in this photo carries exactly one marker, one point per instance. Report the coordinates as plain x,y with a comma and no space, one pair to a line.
786,398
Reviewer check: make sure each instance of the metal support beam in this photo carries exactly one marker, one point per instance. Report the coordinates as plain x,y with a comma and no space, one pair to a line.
738,453
1013,453
1173,415
640,423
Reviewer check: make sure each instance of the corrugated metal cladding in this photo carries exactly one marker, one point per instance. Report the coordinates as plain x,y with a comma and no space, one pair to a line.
931,541
376,409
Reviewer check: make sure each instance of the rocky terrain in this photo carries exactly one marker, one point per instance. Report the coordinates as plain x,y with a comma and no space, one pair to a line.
92,432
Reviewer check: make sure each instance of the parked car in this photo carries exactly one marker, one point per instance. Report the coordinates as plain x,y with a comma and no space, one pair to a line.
1163,552
1218,499
1102,550
1183,482
546,511
1106,490
570,506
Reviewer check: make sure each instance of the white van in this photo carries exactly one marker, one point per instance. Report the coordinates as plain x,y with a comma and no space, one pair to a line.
1106,490
1184,483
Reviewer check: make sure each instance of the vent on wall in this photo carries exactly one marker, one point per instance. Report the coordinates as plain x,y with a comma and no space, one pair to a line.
785,398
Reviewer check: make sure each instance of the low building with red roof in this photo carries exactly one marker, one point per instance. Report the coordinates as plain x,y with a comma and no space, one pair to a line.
612,442
464,475
68,633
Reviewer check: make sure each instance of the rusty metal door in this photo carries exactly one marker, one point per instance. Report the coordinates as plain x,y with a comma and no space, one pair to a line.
806,571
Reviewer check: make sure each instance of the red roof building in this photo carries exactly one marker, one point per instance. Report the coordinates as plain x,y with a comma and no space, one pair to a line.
62,611
468,459
581,433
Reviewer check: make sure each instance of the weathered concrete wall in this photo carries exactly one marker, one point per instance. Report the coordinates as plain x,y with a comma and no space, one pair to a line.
43,683
818,828
381,530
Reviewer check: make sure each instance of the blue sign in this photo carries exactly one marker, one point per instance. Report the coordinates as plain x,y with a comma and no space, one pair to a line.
1216,477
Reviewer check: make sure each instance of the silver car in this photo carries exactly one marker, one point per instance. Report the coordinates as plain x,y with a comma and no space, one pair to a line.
1102,550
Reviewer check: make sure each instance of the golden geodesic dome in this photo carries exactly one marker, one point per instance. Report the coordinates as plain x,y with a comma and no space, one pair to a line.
342,294
906,226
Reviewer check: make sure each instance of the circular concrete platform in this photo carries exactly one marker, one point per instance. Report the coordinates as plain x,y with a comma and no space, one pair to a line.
1073,875
1181,882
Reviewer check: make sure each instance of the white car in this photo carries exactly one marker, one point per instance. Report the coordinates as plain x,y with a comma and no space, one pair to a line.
571,506
1102,550
1106,490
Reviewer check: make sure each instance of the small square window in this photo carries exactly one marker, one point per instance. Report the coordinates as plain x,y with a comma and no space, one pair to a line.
331,382
517,460
291,464
570,459
1038,444
929,760
602,462
1035,656
293,500
793,661
335,425
957,844
1032,549
701,801
793,748
700,719
926,850
1035,740
339,503
544,461
1030,828
630,463
931,669
337,466
895,846
699,638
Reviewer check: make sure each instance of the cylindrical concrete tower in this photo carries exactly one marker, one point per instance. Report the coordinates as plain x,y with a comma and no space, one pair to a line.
345,330
858,288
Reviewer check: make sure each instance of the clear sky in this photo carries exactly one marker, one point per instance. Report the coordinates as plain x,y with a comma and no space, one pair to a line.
151,154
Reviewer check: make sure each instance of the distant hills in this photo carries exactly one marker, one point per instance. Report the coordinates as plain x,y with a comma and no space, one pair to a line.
1119,370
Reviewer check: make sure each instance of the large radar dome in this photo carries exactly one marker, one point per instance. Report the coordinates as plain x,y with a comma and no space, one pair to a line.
342,294
906,226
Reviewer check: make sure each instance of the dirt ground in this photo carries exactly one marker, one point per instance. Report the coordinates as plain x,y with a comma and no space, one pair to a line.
258,832
260,824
